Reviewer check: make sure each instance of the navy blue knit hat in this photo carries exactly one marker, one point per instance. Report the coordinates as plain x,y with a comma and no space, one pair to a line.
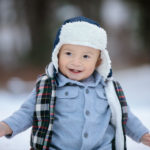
86,32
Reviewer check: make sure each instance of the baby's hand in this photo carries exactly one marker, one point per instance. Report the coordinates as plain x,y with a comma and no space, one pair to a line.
4,129
146,139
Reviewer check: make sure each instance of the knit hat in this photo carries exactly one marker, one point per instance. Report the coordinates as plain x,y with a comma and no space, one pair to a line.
86,32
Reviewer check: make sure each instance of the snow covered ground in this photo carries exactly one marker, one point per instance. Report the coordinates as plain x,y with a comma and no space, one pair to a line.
135,82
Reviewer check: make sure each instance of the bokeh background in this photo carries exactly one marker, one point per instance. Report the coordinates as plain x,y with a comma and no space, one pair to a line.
27,32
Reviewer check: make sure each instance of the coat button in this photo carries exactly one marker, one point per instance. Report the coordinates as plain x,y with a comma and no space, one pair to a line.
85,134
105,94
87,113
66,93
87,91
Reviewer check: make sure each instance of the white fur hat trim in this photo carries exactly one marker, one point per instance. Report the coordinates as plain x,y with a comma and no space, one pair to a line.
85,34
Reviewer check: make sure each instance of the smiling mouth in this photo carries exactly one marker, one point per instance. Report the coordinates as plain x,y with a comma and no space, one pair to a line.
75,71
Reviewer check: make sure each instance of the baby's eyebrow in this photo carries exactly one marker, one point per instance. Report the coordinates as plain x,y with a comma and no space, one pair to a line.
66,49
89,53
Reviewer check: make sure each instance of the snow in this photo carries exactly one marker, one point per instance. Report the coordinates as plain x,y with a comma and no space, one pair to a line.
135,82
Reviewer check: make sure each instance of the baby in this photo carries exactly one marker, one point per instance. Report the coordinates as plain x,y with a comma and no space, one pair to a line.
77,105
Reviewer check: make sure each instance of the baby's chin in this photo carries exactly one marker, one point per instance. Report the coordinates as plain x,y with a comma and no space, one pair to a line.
76,78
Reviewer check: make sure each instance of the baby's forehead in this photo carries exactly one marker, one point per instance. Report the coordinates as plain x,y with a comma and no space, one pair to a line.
78,48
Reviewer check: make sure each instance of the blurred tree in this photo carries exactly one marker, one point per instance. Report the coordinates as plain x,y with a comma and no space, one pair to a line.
143,23
89,8
40,17
38,13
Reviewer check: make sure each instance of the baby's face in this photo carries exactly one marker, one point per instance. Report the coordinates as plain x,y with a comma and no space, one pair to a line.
78,62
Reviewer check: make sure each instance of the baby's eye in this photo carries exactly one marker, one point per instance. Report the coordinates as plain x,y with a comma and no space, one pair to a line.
86,56
68,53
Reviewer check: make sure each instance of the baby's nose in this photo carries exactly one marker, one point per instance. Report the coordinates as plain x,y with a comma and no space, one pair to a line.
76,61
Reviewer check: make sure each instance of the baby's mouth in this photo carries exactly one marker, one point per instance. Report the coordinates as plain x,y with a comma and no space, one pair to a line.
75,71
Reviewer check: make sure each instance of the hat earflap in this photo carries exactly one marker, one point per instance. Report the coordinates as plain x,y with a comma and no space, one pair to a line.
104,68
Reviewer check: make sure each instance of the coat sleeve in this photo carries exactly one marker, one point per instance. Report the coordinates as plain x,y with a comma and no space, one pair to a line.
134,127
22,119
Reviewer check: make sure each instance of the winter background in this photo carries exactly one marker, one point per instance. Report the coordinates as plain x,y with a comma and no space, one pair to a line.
27,32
